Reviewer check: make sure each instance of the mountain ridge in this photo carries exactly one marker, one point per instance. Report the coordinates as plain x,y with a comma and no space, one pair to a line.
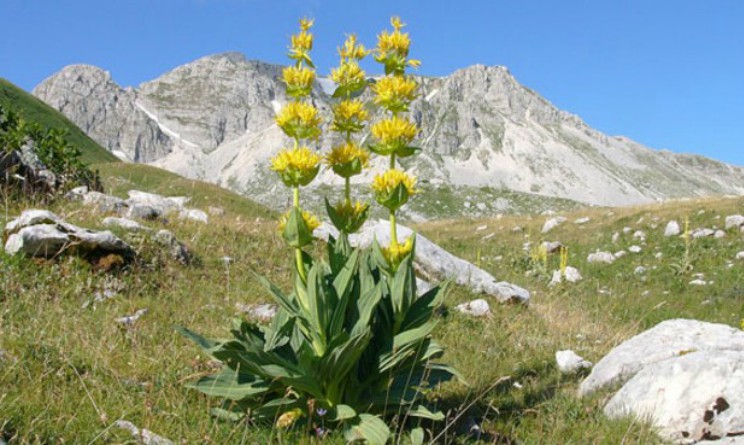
213,119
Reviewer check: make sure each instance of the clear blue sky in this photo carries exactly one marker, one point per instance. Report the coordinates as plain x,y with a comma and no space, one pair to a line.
666,73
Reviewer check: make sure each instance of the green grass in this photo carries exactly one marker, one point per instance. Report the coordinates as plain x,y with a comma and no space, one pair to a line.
69,371
34,110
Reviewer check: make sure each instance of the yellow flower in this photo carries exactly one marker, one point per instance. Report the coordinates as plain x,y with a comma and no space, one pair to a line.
395,92
297,166
394,135
299,80
393,188
348,159
288,418
302,43
395,252
311,221
349,77
394,42
299,120
352,49
348,217
349,116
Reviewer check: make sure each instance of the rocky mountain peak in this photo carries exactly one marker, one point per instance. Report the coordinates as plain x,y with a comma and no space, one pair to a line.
213,119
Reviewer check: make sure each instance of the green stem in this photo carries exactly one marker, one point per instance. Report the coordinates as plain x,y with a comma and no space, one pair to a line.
347,190
298,251
392,161
393,229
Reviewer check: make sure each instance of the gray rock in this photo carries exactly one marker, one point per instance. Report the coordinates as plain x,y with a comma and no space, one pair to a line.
582,220
123,223
639,235
601,257
719,234
144,436
434,263
178,251
702,233
163,204
552,246
569,362
42,233
740,255
475,308
619,254
634,249
688,398
144,212
104,202
216,211
571,274
552,223
129,320
667,339
193,215
734,221
77,193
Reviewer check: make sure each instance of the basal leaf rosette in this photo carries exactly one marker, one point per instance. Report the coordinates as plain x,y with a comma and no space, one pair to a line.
302,43
393,188
348,159
349,116
299,120
296,166
299,80
297,226
395,93
392,49
394,136
348,217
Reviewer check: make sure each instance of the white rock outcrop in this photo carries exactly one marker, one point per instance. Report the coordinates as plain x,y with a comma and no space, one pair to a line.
434,263
569,362
475,308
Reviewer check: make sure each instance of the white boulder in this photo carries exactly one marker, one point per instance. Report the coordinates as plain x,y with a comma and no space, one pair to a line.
569,362
601,257
475,308
552,223
734,221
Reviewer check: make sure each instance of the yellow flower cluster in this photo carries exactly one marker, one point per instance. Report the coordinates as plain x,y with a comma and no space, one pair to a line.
302,43
395,92
396,42
299,120
296,166
352,49
395,252
349,73
349,116
386,183
299,80
288,418
394,133
311,221
346,153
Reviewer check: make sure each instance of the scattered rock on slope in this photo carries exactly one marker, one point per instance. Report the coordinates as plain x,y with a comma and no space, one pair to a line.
41,233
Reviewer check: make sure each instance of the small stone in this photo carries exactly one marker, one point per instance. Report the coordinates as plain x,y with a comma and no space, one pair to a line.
639,235
627,230
640,270
658,255
719,234
615,237
552,246
619,254
216,211
702,233
740,255
698,282
481,228
634,249
124,223
672,228
601,257
517,229
569,362
552,223
582,220
571,274
489,236
130,319
734,222
178,250
475,308
193,215
144,211
146,437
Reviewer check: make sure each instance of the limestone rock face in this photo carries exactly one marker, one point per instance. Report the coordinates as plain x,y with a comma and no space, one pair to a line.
107,113
688,398
213,119
671,338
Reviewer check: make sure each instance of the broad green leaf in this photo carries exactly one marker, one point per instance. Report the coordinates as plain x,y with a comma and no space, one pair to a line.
424,413
417,436
344,412
368,428
282,300
230,384
204,343
227,415
412,335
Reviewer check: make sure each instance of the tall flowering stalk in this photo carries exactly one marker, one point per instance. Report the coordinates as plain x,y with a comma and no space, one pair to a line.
349,118
351,345
299,165
394,134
